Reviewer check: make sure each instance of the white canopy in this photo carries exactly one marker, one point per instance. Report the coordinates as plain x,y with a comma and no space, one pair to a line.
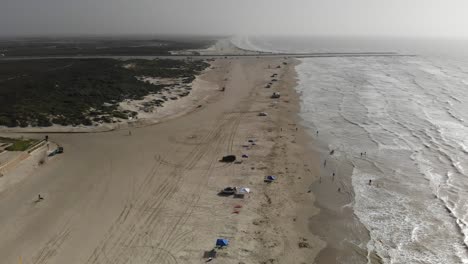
243,190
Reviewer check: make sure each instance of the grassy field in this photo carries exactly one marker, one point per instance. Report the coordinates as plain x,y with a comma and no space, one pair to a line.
79,91
18,144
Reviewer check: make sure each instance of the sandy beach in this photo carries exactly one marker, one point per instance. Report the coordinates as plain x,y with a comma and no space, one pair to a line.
151,197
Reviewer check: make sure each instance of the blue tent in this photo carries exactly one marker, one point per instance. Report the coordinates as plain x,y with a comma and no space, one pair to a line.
271,178
222,242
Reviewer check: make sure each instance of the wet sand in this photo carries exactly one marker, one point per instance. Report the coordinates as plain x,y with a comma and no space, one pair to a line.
151,197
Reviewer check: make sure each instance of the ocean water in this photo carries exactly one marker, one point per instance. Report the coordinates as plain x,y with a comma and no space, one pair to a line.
410,116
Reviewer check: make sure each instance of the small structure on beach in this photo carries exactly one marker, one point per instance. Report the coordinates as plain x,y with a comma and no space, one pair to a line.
222,242
241,192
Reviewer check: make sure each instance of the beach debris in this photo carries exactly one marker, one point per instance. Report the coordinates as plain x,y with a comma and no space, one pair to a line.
39,198
228,158
268,86
262,114
275,95
303,243
252,142
270,178
245,156
222,242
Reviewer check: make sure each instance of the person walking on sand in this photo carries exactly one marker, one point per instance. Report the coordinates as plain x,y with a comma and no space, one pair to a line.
370,182
325,163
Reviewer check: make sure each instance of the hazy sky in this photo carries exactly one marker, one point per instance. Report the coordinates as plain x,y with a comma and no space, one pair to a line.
445,18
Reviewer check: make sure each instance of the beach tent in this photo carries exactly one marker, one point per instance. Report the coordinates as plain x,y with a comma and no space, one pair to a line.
222,242
241,192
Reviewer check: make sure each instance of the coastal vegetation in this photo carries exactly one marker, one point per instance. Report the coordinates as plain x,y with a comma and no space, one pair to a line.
80,91
17,144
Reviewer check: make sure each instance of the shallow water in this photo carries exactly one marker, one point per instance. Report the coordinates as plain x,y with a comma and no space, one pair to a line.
410,116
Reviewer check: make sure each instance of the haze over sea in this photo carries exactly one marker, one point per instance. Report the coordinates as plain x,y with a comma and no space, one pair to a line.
410,115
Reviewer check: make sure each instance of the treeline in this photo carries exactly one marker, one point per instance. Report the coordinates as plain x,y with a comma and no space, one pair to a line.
98,46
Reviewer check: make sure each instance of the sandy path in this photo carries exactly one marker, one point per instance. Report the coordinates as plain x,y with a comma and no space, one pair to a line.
151,197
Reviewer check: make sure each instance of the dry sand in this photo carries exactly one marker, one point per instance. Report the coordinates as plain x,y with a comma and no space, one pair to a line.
152,197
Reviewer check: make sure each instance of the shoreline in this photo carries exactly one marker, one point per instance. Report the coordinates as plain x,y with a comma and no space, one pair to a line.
345,237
